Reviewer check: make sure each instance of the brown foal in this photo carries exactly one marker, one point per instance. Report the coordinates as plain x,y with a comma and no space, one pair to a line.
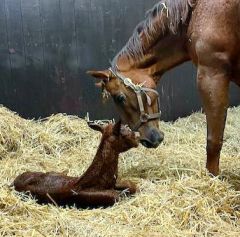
175,31
98,186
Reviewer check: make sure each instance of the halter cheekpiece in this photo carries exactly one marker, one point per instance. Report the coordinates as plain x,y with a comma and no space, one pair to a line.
139,90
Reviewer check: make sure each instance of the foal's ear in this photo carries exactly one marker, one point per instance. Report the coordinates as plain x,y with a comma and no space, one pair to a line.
103,75
96,127
117,128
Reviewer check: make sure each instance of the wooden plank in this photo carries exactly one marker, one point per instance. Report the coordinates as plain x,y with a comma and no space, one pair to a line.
15,36
234,94
183,91
32,32
5,75
88,44
70,83
51,20
83,34
32,85
66,65
53,64
16,50
68,36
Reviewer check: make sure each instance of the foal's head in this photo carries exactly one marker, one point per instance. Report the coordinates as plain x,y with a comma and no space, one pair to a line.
121,137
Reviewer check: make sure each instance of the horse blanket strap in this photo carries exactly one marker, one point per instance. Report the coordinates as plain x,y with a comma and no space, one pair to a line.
139,91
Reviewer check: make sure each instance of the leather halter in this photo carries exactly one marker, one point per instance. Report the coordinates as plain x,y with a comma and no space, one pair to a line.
139,90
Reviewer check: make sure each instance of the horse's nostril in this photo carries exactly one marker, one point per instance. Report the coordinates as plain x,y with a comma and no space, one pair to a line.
146,143
149,144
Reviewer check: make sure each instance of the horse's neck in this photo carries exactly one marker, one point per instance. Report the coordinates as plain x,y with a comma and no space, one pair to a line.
168,52
104,164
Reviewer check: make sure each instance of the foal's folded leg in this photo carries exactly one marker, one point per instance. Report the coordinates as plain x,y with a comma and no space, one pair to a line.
127,185
97,198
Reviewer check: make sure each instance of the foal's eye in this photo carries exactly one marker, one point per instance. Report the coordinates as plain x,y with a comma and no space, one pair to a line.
120,99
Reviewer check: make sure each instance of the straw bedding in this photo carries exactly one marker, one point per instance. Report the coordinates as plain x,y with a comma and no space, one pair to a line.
177,197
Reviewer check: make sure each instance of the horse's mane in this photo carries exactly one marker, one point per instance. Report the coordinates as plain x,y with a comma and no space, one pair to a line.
167,16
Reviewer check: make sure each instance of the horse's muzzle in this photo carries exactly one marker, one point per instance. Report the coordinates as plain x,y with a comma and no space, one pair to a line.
153,139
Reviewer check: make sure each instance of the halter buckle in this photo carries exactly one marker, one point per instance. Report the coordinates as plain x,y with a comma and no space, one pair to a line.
144,117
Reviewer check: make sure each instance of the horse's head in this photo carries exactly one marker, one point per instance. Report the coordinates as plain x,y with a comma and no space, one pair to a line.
137,102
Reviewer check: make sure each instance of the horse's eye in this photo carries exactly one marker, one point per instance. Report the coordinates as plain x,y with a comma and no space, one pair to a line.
120,99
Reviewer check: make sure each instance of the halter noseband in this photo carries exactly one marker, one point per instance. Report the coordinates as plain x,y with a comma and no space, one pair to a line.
139,90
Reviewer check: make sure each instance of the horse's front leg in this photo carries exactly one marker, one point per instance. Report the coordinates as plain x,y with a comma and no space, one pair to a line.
213,86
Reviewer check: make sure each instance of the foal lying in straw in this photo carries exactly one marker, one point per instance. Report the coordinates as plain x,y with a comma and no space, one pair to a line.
98,186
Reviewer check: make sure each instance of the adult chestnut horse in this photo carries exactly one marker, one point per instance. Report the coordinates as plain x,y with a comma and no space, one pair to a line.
175,31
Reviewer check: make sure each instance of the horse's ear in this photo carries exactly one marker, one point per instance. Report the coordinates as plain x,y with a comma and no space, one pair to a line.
96,127
103,75
117,128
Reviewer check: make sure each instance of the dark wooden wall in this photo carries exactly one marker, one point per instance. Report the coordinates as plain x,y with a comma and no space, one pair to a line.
47,45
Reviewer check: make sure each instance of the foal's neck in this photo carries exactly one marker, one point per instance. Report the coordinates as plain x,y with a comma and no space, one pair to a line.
103,168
